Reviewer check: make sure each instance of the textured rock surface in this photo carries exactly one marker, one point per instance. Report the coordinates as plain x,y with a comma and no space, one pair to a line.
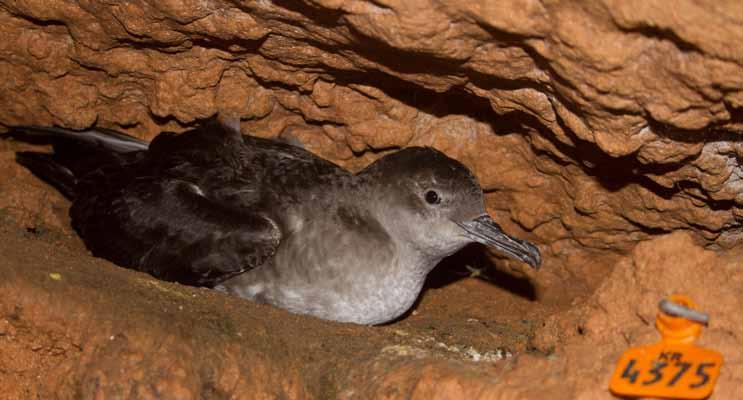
590,337
593,126
627,115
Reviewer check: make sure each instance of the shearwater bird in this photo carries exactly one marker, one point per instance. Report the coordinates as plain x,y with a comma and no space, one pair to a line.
269,221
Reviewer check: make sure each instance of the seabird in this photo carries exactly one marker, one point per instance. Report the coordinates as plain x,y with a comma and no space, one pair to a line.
269,221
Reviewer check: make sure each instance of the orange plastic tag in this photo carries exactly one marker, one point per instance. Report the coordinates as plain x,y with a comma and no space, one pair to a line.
671,371
673,368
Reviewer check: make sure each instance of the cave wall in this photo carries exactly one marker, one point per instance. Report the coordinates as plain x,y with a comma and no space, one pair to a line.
592,125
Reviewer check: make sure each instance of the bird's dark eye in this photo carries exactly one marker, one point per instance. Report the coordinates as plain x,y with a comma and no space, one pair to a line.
432,197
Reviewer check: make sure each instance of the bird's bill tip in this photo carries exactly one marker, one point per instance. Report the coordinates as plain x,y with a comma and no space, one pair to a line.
485,230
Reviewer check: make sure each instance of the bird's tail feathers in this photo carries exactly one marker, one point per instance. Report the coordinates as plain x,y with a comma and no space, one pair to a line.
107,139
75,152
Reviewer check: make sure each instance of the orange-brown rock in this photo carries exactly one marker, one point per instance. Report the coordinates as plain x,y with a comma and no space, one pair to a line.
625,113
593,126
621,313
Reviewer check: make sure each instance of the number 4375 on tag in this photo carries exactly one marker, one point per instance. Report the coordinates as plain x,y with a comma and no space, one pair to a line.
666,370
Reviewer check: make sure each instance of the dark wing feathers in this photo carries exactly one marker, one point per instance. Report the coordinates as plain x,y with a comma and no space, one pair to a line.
146,209
165,228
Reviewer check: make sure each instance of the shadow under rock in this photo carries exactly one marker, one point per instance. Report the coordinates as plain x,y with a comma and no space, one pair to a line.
473,261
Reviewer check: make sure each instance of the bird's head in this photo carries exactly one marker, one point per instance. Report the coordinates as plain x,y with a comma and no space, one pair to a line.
435,203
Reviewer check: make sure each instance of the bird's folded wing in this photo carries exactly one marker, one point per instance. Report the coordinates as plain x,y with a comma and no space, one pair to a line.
170,230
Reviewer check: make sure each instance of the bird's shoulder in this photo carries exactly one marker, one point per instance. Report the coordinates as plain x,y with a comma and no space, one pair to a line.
289,164
219,157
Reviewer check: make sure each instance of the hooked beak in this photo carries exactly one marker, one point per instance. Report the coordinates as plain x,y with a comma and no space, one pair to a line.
484,230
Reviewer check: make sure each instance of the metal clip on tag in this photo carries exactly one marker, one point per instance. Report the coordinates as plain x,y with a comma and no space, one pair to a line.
674,368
